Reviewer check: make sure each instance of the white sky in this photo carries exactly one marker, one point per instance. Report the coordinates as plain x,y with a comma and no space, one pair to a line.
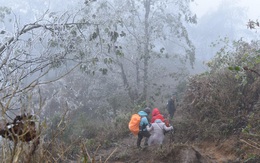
201,7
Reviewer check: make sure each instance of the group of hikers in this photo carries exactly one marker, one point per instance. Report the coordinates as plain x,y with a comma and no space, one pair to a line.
154,130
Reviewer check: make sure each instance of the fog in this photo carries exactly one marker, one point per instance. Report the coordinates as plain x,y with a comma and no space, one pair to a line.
80,62
207,14
177,47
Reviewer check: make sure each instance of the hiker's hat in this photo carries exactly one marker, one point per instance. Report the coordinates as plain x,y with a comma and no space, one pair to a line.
147,110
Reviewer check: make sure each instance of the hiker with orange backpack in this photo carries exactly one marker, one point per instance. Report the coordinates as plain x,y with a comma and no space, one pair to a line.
137,125
142,127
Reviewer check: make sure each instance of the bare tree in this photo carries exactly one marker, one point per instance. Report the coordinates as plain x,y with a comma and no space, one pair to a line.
144,32
27,60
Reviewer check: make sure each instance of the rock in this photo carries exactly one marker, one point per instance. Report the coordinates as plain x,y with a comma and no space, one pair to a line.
185,154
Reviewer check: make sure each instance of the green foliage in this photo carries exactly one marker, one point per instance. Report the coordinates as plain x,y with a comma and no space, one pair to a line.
121,123
252,158
247,129
114,35
108,60
139,106
252,129
181,87
236,56
236,68
119,53
92,144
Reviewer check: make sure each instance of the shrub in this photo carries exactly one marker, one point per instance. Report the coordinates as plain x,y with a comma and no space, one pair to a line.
226,100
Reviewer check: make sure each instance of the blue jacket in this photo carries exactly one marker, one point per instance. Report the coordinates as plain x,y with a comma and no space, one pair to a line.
144,121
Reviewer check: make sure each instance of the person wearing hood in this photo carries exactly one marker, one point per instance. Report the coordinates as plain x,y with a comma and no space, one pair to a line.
171,106
156,115
143,124
157,132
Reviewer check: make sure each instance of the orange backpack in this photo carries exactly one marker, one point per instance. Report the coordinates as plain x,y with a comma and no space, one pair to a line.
134,123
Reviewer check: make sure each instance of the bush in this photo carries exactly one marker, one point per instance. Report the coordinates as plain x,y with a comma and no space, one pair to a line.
225,100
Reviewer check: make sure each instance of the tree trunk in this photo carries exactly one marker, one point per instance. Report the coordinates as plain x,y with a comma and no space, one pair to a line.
126,84
147,4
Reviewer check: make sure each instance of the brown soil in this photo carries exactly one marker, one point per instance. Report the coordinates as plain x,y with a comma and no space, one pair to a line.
231,150
205,152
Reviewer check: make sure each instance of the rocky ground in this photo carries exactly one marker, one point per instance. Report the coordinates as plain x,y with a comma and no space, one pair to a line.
205,152
231,150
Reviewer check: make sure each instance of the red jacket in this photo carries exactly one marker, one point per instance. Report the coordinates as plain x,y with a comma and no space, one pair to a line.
156,115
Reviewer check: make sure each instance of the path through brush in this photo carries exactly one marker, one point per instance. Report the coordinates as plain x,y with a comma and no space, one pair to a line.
125,150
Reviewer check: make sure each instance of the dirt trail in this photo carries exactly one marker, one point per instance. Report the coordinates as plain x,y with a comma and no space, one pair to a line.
218,152
125,151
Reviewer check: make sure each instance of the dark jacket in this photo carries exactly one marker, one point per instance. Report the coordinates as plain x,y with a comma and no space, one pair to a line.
171,106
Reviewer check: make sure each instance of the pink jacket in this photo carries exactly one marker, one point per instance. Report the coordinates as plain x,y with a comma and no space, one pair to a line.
156,130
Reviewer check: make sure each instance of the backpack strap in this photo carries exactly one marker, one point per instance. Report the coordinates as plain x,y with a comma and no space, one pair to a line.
159,126
164,131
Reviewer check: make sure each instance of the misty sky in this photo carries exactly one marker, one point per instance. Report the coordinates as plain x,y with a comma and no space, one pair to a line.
29,8
201,7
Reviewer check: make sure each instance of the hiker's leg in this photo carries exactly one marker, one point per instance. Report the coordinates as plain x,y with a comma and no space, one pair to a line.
139,139
146,134
146,141
171,115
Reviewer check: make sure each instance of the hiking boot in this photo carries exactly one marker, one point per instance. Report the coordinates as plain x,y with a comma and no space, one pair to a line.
146,142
